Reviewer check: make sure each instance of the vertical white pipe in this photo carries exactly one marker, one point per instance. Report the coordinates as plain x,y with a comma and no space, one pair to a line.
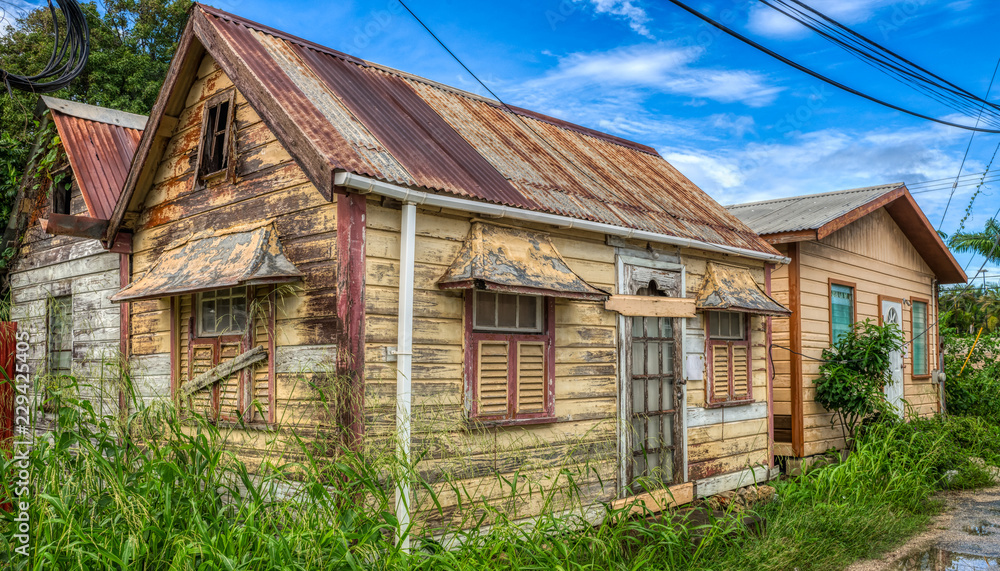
404,354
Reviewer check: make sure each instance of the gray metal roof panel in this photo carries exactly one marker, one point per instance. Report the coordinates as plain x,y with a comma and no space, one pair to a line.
807,212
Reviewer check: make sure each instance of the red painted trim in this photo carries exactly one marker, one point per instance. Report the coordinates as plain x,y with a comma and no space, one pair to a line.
710,357
472,340
8,350
351,222
768,268
122,244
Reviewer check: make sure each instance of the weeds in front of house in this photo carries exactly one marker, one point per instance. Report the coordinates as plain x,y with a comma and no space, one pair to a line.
154,491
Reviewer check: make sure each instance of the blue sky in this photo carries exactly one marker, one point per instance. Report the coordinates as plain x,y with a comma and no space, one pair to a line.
738,123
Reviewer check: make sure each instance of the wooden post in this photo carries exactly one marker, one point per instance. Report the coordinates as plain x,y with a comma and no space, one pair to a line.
351,220
795,341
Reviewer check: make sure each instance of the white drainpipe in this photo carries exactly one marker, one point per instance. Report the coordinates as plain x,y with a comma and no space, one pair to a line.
365,184
404,358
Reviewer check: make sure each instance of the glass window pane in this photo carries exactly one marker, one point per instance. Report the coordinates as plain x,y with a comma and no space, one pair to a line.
640,434
714,317
486,308
637,359
668,395
636,327
208,316
652,326
652,359
666,327
239,321
506,310
667,349
527,308
841,310
653,395
920,361
638,395
222,319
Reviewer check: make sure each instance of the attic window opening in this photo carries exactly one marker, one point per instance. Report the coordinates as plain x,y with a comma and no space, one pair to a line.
62,195
217,129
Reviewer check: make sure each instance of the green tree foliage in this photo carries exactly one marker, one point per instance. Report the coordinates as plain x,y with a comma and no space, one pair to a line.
131,45
983,242
854,373
965,309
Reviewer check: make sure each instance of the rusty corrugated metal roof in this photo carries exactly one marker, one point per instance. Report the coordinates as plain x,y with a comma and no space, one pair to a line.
379,122
100,144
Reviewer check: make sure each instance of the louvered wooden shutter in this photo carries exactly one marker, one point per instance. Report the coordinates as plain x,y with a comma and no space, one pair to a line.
230,399
741,372
492,375
202,358
260,390
530,377
720,372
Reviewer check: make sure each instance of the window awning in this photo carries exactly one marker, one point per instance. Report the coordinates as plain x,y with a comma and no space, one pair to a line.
731,288
214,260
499,258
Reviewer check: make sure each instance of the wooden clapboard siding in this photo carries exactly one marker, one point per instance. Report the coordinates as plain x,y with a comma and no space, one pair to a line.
583,433
297,326
725,440
49,266
874,254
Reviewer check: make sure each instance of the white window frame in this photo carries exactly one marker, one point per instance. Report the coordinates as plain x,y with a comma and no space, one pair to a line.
232,332
741,336
539,301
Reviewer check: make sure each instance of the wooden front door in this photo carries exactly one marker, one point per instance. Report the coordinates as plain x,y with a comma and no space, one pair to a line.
656,399
892,312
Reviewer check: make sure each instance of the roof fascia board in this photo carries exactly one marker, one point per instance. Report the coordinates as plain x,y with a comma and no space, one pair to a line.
858,213
316,166
162,120
95,113
911,220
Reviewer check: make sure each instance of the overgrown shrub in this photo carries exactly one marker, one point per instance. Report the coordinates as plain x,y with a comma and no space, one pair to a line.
854,373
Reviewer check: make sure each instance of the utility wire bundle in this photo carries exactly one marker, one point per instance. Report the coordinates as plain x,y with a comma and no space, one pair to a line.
887,61
69,53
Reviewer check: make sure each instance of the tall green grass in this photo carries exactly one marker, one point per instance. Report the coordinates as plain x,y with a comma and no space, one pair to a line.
152,491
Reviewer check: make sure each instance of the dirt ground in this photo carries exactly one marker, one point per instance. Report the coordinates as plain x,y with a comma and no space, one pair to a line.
966,536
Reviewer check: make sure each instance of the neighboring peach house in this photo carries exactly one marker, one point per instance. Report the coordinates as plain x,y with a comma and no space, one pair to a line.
866,253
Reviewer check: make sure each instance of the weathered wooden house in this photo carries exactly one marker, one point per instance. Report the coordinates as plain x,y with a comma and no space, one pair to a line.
867,253
61,277
495,290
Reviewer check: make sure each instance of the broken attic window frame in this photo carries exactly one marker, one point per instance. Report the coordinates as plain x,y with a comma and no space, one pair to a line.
62,192
217,128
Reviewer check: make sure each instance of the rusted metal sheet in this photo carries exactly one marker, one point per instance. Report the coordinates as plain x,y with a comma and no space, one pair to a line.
100,144
78,226
732,288
380,122
214,260
515,260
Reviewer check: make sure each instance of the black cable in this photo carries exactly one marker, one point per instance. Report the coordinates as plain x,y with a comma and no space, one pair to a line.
69,53
818,75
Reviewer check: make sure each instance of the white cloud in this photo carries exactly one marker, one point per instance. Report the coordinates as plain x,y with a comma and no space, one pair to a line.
823,161
657,68
635,15
769,22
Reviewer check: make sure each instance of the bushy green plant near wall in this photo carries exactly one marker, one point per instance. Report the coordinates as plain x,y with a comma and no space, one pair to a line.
854,372
974,391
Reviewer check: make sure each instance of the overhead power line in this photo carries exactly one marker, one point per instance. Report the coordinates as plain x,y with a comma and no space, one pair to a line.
959,96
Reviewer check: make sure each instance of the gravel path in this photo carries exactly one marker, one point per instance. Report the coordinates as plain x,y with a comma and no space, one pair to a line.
965,537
